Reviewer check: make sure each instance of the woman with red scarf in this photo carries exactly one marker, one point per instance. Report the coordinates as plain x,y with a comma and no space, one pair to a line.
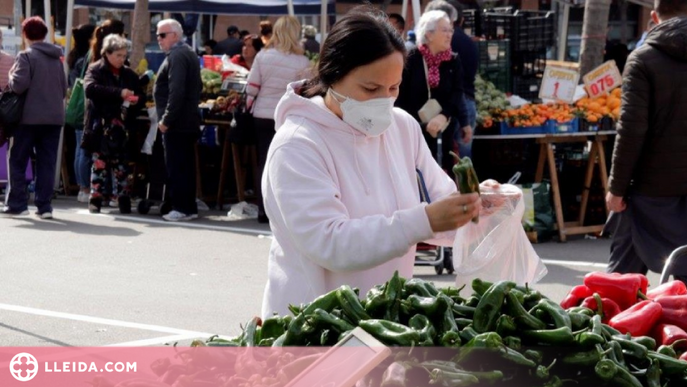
434,72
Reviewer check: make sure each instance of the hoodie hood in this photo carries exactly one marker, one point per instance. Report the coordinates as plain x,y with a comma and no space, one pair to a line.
670,37
47,49
312,109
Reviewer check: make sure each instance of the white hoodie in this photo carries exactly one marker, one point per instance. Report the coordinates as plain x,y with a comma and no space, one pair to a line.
344,208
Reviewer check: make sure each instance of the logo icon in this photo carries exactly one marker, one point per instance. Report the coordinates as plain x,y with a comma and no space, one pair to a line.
23,367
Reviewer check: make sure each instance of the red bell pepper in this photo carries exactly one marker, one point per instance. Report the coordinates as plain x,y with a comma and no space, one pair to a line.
673,302
621,288
639,319
683,356
608,308
676,317
576,295
667,334
672,288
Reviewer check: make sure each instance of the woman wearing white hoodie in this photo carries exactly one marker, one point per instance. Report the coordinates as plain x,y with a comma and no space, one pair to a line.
340,184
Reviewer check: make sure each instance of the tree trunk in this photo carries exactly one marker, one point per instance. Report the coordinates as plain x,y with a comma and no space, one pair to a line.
140,32
594,30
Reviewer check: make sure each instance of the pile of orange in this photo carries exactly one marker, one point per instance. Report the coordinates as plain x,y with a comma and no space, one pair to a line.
600,107
538,114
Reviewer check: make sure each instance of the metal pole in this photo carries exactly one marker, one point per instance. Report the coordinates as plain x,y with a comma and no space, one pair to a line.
46,6
323,20
404,9
563,31
212,27
289,5
68,33
416,11
28,9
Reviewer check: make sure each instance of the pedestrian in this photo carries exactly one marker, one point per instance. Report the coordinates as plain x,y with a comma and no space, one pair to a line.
177,94
398,22
39,75
114,96
6,62
648,183
109,26
433,77
340,181
252,44
310,44
231,45
468,54
209,46
278,64
266,30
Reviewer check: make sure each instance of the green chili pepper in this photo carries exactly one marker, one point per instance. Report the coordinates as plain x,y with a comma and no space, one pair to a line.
610,332
480,286
466,178
393,292
558,337
322,319
429,306
581,310
489,377
350,304
585,358
251,334
615,353
473,301
272,327
516,357
489,306
468,333
543,372
532,298
451,339
420,288
513,342
653,375
505,325
558,315
648,342
669,366
448,322
463,322
554,382
464,311
617,376
594,336
421,323
631,348
534,355
456,379
391,333
522,318
579,321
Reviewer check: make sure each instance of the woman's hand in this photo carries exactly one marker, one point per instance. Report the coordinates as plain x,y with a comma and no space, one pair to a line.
126,93
453,211
436,125
467,134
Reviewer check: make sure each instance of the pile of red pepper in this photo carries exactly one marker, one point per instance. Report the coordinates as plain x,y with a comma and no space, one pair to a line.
626,304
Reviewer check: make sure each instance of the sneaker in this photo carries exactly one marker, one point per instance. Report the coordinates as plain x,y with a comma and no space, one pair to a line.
9,212
82,197
176,216
114,203
44,215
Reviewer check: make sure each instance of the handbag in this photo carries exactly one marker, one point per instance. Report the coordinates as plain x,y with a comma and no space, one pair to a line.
12,106
431,108
77,100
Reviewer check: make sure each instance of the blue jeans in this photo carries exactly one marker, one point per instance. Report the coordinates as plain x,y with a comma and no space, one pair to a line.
465,149
45,140
82,162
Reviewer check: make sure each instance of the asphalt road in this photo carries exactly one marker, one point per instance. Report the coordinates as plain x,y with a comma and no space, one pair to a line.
110,279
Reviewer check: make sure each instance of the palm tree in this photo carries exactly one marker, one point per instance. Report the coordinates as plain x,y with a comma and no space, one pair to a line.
140,32
594,31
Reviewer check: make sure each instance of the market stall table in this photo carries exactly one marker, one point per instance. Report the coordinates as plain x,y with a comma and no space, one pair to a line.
546,156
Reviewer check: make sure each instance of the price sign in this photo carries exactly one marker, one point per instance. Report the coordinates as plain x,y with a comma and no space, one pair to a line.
602,79
559,84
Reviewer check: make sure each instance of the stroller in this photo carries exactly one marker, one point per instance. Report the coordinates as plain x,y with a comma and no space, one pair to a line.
429,255
679,253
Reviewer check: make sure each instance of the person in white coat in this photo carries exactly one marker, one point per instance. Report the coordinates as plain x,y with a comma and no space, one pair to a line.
340,184
281,62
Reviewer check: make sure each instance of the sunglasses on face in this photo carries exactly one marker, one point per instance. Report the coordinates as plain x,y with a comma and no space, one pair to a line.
163,35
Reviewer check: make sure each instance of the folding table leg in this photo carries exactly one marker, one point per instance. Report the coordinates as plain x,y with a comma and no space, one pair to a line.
556,192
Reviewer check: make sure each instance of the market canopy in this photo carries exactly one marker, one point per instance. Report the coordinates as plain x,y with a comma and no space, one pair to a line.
237,7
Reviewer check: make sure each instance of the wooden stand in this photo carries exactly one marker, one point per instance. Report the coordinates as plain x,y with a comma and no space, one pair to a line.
546,156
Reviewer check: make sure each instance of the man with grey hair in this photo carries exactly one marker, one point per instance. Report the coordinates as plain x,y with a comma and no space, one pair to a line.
177,94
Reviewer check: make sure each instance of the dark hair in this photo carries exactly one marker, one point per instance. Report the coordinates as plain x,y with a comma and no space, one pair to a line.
243,34
265,28
459,10
670,8
255,41
364,35
82,42
399,19
109,26
210,42
231,30
34,28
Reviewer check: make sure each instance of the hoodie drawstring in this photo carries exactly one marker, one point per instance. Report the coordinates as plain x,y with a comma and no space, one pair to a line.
357,164
392,170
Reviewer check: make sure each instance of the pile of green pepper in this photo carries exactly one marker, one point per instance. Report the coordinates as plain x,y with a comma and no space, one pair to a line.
500,334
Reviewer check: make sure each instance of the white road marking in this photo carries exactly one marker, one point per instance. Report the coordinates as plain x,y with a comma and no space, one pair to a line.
245,230
103,321
156,341
557,262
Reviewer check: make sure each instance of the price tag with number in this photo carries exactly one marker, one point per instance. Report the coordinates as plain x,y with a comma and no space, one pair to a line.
602,79
559,84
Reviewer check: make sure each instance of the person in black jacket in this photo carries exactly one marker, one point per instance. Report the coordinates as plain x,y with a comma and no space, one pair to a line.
177,94
113,96
433,71
648,182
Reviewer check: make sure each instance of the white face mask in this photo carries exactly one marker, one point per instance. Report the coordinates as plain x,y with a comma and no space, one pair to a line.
372,117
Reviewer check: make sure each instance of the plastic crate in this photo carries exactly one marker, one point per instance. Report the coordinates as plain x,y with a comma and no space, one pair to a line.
472,22
563,127
606,123
494,63
527,87
528,63
527,30
510,130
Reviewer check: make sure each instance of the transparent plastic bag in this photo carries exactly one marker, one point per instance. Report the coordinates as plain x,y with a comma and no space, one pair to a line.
497,247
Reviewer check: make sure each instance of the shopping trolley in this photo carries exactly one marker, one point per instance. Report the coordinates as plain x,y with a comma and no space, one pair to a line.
680,252
429,255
